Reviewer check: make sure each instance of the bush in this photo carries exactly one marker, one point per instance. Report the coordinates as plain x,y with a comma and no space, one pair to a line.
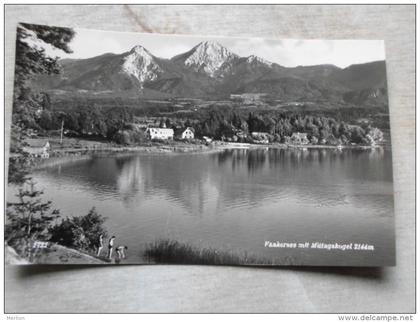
357,134
374,136
122,137
128,137
314,140
332,140
80,232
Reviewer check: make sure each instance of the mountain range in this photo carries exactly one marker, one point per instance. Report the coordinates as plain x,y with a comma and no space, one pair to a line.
210,70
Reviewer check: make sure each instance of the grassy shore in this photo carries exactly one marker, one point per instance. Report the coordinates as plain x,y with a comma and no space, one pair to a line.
11,257
54,254
174,252
83,146
73,150
57,254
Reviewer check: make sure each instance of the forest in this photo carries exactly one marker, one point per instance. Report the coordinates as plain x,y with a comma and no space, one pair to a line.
113,123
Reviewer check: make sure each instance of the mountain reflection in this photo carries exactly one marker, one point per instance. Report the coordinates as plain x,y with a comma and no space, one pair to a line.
206,183
355,163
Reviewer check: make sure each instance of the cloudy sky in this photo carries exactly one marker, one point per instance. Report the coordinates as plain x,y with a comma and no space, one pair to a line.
288,52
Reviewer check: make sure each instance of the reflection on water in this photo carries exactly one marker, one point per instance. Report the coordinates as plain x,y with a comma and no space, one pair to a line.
237,199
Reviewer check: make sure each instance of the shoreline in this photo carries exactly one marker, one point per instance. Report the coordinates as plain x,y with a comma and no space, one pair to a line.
74,155
55,254
65,156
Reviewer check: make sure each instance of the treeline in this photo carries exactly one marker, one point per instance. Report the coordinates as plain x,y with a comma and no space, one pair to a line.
93,120
280,127
116,123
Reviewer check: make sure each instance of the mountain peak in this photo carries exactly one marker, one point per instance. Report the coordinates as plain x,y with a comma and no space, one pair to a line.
212,48
141,64
140,50
256,59
209,57
210,44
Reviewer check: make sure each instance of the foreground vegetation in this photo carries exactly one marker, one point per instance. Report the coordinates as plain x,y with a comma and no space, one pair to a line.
32,226
174,252
31,221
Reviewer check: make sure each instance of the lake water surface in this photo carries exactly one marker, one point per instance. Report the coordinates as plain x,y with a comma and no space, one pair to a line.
235,200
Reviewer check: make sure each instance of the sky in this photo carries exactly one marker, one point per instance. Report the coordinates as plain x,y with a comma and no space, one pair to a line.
286,52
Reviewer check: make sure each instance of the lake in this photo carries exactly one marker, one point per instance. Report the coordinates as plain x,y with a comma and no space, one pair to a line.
236,200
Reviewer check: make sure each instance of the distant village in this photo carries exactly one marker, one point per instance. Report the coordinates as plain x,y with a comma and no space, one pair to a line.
88,128
42,147
188,133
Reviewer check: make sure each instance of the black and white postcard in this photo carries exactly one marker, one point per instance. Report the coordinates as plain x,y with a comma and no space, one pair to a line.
132,148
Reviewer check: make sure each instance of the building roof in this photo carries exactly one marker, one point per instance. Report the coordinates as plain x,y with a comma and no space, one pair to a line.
37,143
300,134
179,131
159,128
259,133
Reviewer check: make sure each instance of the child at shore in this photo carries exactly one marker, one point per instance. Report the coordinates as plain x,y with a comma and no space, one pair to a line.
100,244
120,250
110,246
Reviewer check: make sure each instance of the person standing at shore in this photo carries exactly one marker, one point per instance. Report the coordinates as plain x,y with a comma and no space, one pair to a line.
100,244
120,250
110,246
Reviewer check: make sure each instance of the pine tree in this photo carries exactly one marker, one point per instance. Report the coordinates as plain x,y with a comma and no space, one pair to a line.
28,219
31,61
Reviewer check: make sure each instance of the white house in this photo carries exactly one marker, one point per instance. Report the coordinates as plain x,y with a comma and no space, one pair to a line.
185,133
299,138
159,133
38,147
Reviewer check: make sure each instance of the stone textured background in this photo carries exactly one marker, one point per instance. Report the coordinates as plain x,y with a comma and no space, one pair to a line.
238,289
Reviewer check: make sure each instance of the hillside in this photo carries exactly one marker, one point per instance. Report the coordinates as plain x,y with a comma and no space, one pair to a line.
212,71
